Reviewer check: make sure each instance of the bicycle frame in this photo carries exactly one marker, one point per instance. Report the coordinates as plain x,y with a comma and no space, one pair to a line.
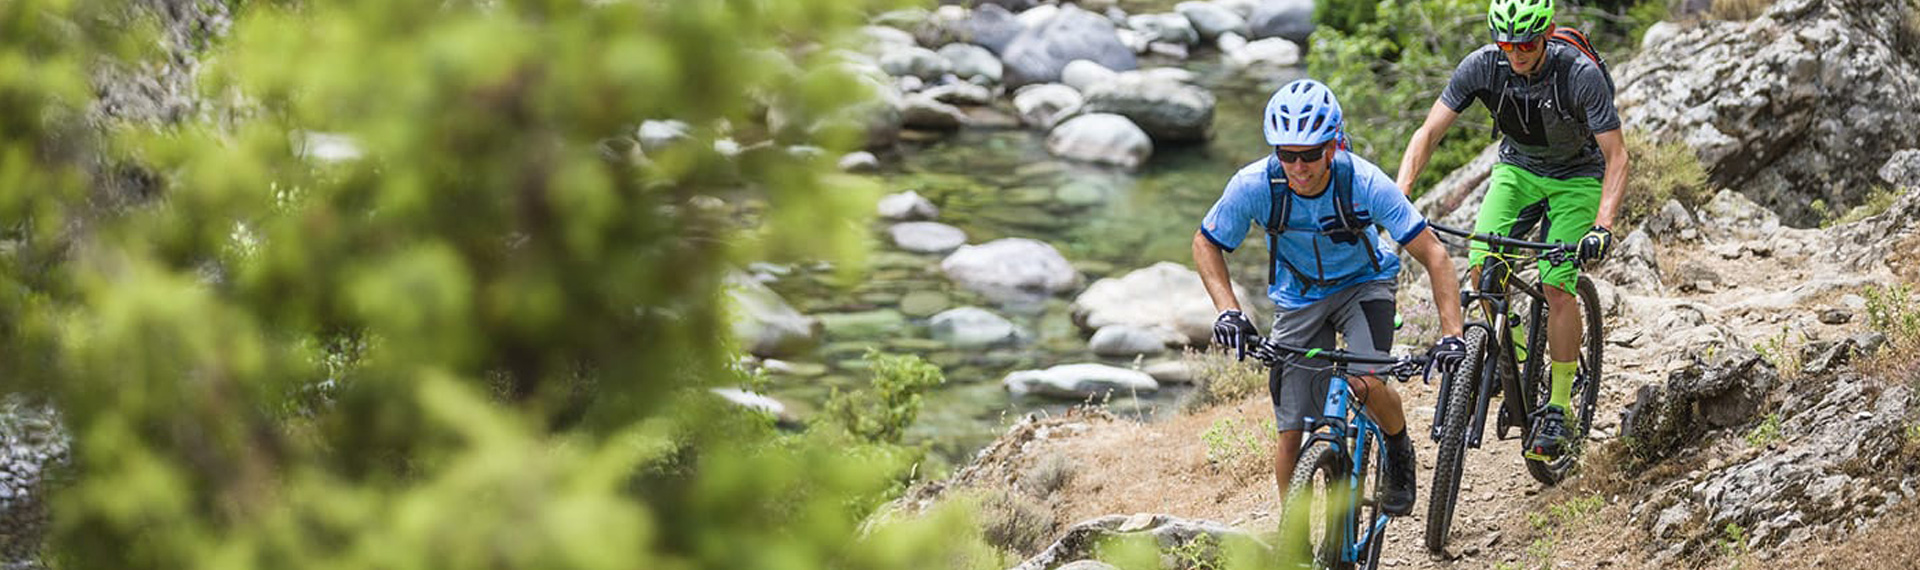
1344,424
1496,293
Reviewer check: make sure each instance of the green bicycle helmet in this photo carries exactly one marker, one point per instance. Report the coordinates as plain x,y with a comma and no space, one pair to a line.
1519,20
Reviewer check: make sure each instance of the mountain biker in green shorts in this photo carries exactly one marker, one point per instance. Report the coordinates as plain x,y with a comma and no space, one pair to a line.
1568,153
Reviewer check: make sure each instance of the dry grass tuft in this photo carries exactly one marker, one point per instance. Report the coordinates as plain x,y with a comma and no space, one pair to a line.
1738,10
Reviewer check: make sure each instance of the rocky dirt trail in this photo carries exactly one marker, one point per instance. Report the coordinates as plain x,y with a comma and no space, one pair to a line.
1714,285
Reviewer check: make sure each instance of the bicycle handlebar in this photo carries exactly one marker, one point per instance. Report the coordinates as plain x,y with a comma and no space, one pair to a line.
1555,252
1405,367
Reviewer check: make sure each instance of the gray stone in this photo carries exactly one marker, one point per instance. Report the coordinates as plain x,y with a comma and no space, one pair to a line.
1668,222
1268,58
1044,105
1701,396
1170,28
1170,372
1080,381
1733,215
764,323
751,401
1130,340
1039,53
917,62
1088,565
1169,111
927,237
973,327
859,162
1206,539
1180,302
920,111
883,39
907,206
1902,169
1836,316
657,135
1210,20
1290,19
947,24
968,61
1038,15
1671,519
1011,269
1230,42
1166,49
1082,74
1101,137
960,94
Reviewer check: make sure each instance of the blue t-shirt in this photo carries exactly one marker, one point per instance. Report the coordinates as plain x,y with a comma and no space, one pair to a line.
1376,199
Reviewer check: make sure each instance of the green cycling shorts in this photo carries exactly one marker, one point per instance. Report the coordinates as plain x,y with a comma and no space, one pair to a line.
1571,206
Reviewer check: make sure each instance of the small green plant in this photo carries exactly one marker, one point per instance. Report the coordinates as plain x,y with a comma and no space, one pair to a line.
1230,441
1766,433
1892,311
882,413
1733,543
1552,523
1876,202
1201,553
1776,350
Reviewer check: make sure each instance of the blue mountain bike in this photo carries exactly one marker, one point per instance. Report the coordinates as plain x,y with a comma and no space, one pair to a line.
1331,484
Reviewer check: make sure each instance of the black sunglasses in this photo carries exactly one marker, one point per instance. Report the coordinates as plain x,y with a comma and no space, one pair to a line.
1313,155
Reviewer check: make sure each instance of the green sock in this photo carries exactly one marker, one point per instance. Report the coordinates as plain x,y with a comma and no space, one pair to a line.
1563,384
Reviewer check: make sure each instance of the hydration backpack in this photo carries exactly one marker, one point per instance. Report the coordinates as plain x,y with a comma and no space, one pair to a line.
1350,229
1561,91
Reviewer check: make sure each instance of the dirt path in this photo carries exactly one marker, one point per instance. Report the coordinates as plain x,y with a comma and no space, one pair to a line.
1749,291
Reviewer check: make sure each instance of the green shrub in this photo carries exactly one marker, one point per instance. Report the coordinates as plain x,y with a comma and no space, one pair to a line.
1661,170
1767,432
1013,521
1877,201
882,413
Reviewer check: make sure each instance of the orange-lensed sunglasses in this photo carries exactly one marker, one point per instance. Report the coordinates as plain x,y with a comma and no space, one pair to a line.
1525,47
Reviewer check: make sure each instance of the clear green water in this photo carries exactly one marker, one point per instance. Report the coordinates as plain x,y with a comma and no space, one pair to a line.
1003,183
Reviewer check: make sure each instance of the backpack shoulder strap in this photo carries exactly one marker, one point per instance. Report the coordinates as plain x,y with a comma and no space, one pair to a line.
1279,206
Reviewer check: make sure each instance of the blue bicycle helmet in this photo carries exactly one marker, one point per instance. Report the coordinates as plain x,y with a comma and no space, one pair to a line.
1302,113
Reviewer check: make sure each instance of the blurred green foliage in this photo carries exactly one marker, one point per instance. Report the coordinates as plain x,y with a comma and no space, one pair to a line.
485,343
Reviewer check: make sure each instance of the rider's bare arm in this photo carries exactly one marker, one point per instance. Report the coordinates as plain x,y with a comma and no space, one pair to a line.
1420,148
1446,284
1213,273
1614,185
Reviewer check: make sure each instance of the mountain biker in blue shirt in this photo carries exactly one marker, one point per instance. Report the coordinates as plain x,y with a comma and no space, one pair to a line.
1331,271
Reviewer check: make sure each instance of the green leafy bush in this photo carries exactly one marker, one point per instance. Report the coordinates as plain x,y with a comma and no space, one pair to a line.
883,414
1662,170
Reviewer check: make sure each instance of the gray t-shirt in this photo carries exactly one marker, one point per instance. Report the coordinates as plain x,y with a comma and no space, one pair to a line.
1546,137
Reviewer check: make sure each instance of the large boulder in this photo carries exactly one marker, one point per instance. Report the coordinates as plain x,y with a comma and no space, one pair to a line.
927,237
1039,53
994,27
1044,105
34,448
968,61
1801,104
763,322
921,111
1080,382
1202,539
1169,111
973,327
1101,137
1290,19
1210,20
1011,269
1179,302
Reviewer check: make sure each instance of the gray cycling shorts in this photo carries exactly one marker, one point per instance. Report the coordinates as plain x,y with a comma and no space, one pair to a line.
1361,314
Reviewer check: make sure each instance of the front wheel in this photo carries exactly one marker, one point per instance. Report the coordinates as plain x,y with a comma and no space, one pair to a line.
1586,386
1454,427
1318,515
